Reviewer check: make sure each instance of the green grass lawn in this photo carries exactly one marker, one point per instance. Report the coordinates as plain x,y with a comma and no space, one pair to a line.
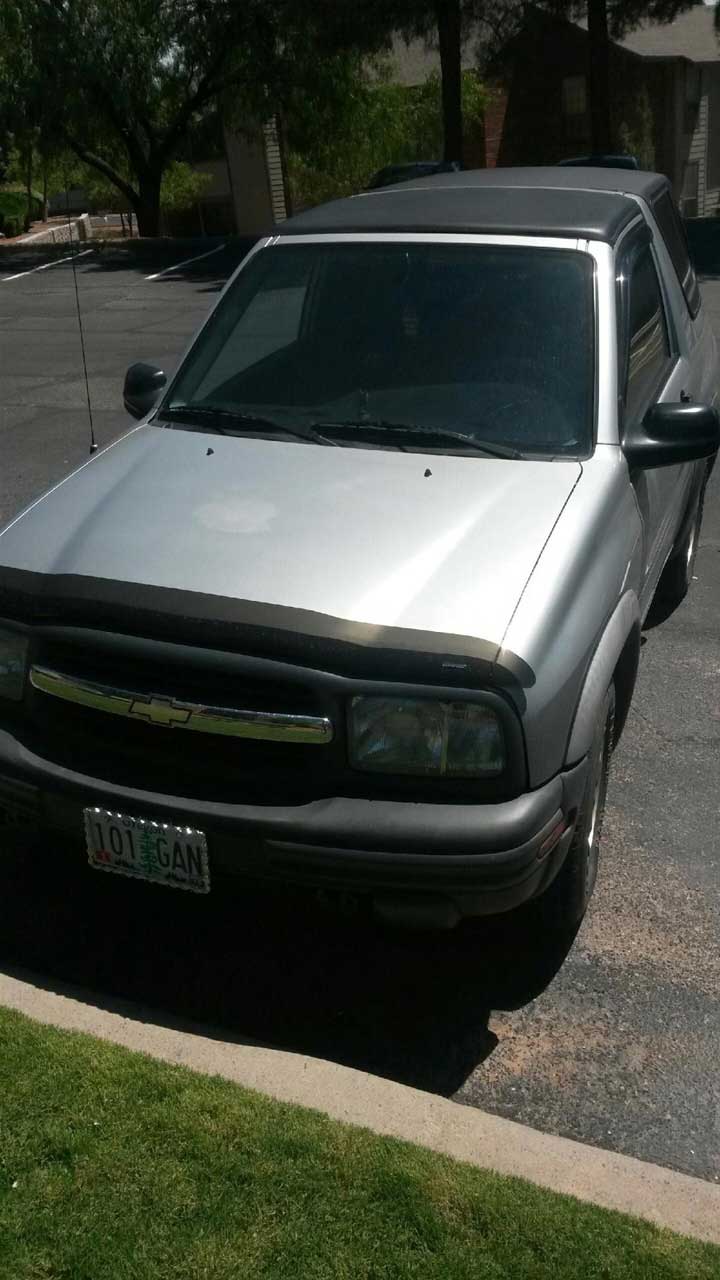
112,1165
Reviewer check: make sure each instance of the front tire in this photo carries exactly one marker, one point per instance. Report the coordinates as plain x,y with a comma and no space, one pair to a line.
565,902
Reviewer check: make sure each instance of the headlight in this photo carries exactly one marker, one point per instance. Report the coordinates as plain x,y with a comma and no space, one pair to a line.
13,657
418,736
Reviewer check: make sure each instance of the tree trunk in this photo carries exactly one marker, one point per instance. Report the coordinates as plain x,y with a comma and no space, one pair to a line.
447,13
45,210
599,77
147,205
28,186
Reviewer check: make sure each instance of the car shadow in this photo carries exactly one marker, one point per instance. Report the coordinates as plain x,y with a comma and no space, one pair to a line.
660,610
262,965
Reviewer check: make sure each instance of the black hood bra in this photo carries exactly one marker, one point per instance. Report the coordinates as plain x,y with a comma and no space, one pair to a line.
278,632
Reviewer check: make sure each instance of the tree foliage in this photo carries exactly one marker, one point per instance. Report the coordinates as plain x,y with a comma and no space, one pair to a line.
122,80
182,187
444,24
381,123
635,132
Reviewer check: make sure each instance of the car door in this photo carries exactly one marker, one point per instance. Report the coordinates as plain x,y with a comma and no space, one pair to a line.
651,370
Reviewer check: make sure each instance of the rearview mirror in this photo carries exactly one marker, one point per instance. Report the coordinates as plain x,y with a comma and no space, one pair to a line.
143,384
673,433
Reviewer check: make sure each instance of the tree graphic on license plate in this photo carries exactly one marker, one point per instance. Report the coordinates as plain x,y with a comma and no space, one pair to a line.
148,859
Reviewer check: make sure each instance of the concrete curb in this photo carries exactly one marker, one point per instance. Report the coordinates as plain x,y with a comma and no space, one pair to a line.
673,1200
62,233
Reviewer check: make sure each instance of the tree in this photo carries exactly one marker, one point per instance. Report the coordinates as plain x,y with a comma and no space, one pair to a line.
448,21
369,25
128,77
449,28
20,106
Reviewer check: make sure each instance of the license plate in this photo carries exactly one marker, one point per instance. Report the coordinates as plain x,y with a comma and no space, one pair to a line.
154,851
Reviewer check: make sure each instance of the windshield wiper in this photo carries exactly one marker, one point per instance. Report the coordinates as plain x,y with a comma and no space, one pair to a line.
210,417
379,426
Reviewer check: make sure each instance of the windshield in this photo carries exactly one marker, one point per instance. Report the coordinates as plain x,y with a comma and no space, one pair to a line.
493,342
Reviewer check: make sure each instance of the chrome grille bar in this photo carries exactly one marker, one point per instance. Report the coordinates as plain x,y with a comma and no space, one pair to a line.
168,713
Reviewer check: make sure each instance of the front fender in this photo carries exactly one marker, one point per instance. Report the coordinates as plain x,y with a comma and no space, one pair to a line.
622,624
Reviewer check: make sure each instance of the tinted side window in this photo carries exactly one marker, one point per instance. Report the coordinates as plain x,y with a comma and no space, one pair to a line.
673,233
649,344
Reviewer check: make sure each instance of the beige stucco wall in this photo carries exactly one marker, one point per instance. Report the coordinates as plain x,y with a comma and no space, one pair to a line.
219,186
248,178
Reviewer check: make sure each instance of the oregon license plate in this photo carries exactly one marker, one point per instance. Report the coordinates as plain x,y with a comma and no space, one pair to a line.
154,851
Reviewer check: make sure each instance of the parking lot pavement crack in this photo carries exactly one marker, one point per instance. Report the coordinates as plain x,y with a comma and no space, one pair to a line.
676,740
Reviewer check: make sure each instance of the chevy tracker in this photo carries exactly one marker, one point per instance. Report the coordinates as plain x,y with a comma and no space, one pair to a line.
357,605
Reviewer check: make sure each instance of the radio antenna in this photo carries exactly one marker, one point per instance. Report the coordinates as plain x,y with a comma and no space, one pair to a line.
73,255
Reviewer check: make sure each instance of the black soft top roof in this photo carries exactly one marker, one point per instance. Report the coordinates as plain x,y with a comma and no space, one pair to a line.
587,203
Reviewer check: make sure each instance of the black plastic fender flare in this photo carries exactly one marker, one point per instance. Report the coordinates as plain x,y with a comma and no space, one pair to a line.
623,620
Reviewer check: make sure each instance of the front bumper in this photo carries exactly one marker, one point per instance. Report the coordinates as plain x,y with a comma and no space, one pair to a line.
467,859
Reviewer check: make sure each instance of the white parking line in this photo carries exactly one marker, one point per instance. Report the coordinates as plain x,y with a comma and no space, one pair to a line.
45,265
186,263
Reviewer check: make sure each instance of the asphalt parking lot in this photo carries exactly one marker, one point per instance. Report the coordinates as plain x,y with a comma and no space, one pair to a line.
614,1043
125,317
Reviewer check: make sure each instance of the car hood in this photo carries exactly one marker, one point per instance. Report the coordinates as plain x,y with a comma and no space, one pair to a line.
392,539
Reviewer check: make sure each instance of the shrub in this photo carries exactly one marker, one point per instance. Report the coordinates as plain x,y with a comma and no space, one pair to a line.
182,187
13,204
12,226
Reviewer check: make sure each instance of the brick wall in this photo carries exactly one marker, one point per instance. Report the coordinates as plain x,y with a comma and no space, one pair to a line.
494,126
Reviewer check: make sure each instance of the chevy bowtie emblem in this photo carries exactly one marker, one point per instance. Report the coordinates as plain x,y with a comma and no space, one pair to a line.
161,711
230,722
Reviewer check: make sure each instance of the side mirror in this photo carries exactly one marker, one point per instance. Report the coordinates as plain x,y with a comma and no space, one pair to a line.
673,433
143,384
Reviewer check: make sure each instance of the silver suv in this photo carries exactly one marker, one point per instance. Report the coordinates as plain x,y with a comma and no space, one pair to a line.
358,603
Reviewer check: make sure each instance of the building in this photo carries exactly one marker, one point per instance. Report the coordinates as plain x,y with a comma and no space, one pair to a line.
665,98
687,53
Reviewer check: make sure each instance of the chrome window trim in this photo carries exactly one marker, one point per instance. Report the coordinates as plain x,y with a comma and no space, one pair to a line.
168,713
426,237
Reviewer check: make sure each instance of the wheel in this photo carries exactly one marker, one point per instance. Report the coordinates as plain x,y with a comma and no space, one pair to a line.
565,902
678,572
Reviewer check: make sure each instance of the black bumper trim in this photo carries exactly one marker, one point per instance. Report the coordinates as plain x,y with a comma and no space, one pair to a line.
459,850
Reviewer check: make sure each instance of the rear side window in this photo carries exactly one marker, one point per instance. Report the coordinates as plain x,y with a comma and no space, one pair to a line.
649,355
673,233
